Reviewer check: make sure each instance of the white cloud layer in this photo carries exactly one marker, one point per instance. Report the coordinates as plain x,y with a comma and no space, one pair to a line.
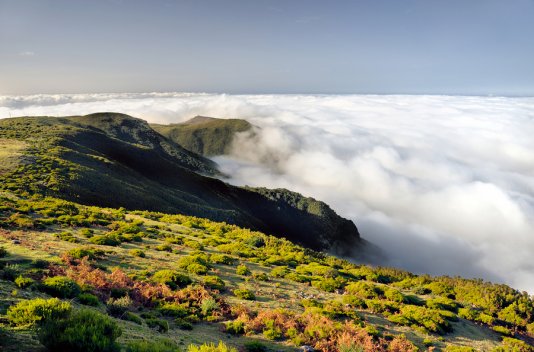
444,185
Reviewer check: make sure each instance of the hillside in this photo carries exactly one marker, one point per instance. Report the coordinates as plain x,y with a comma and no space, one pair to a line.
148,281
115,160
203,135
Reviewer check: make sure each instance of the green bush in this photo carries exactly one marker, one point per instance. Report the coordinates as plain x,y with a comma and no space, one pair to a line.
363,289
235,327
208,305
502,330
222,259
452,348
106,240
255,346
174,310
443,303
259,276
242,269
88,299
134,318
162,345
31,312
171,278
116,307
214,282
3,252
84,331
60,286
137,253
165,247
81,252
513,345
279,271
160,325
23,282
183,324
244,293
221,347
198,269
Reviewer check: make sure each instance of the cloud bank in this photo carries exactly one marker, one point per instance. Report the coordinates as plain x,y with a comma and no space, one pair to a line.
444,185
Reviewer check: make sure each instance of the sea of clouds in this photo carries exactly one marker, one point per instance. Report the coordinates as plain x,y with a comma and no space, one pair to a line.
443,184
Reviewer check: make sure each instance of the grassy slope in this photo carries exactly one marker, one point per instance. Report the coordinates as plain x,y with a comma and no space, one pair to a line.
38,240
204,135
115,160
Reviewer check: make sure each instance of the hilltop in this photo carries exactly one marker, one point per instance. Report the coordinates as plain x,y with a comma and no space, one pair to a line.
204,135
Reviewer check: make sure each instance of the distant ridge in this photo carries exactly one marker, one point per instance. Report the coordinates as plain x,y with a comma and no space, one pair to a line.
207,136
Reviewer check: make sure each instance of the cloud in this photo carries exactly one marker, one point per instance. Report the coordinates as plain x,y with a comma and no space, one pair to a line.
444,185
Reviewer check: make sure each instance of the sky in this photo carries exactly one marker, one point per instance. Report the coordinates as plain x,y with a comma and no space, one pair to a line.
456,47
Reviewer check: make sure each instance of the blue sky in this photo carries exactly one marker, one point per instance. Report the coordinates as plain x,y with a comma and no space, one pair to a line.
475,47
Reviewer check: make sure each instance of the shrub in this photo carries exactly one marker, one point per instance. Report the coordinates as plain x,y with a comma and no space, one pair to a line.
88,299
242,269
244,293
118,306
279,271
171,278
137,253
208,305
162,345
214,282
394,295
160,325
81,252
327,284
34,311
221,347
23,282
183,324
3,252
222,259
106,240
259,276
173,310
61,286
84,331
513,345
235,327
429,319
255,346
164,247
134,318
362,289
502,330
198,269
443,303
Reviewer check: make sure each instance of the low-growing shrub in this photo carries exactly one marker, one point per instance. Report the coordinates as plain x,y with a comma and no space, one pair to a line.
84,331
160,325
222,259
502,330
81,252
88,299
259,276
134,318
198,269
106,240
116,307
183,324
235,327
214,282
3,252
60,286
165,247
162,345
242,269
255,346
208,305
244,293
137,253
171,278
23,282
30,312
279,271
173,310
221,347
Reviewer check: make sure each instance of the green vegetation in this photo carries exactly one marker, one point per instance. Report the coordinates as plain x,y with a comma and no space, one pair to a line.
172,281
204,135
